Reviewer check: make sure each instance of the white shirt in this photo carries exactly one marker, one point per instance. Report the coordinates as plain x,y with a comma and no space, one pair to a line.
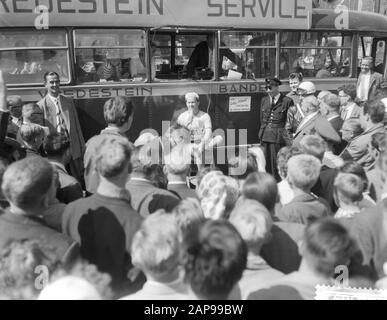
348,110
56,102
285,192
341,213
275,98
362,90
385,103
198,124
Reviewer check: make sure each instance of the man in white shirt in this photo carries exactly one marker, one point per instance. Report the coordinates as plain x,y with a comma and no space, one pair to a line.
197,121
60,116
369,81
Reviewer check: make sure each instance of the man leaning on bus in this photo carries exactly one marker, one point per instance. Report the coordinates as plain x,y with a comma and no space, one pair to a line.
60,116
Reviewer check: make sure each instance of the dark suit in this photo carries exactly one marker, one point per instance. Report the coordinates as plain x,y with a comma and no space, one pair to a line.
4,119
17,227
70,117
337,124
200,55
69,189
272,133
183,191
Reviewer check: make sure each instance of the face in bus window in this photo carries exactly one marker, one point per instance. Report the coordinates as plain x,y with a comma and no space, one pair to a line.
294,83
192,104
366,65
52,85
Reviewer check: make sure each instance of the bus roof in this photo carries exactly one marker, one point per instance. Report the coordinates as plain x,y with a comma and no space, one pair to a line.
351,20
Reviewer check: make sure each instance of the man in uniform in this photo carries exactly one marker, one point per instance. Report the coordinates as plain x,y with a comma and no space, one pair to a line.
272,133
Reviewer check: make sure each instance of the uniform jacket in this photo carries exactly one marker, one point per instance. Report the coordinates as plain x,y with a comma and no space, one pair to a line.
70,116
357,148
273,120
375,81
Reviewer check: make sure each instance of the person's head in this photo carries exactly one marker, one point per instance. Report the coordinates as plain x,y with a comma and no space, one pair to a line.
347,94
306,88
203,171
351,128
283,156
295,79
321,95
144,157
178,162
310,104
367,63
331,104
27,183
313,145
326,244
52,83
262,187
272,86
241,166
156,247
353,167
113,158
214,188
15,104
176,134
118,112
19,261
32,113
57,146
253,222
188,213
70,288
303,172
32,135
348,189
215,258
377,144
372,113
192,102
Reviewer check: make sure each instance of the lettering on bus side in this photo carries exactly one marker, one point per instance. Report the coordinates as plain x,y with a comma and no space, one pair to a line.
96,93
147,7
256,8
241,88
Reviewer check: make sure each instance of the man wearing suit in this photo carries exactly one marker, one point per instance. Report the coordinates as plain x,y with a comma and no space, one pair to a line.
61,116
203,56
272,133
369,81
314,123
347,96
371,121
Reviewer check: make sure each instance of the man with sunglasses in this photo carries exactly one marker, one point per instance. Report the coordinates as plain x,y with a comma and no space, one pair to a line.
60,116
272,133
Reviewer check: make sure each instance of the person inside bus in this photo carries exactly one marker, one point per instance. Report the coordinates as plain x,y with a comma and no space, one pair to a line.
114,68
323,65
203,57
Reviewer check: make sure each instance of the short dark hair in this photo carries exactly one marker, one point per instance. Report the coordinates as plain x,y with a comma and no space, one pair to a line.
238,162
283,156
117,110
379,141
27,181
376,111
50,73
355,168
55,144
262,187
328,245
349,89
215,258
332,101
297,75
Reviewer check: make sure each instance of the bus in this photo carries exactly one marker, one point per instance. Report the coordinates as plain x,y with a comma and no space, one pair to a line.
148,43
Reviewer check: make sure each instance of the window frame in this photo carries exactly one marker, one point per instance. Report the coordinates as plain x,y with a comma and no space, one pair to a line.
146,47
66,48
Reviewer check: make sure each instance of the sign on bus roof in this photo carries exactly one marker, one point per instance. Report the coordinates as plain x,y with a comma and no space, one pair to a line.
292,14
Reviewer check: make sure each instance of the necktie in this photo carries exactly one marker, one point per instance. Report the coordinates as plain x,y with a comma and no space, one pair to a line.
60,124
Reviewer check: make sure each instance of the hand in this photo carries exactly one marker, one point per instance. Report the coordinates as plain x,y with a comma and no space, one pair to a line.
3,94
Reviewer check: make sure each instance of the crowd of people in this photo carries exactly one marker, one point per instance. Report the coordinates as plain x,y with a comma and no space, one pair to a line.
112,219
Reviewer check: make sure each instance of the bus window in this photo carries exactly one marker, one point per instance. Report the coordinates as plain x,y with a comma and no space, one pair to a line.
172,54
111,55
316,54
253,54
25,55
